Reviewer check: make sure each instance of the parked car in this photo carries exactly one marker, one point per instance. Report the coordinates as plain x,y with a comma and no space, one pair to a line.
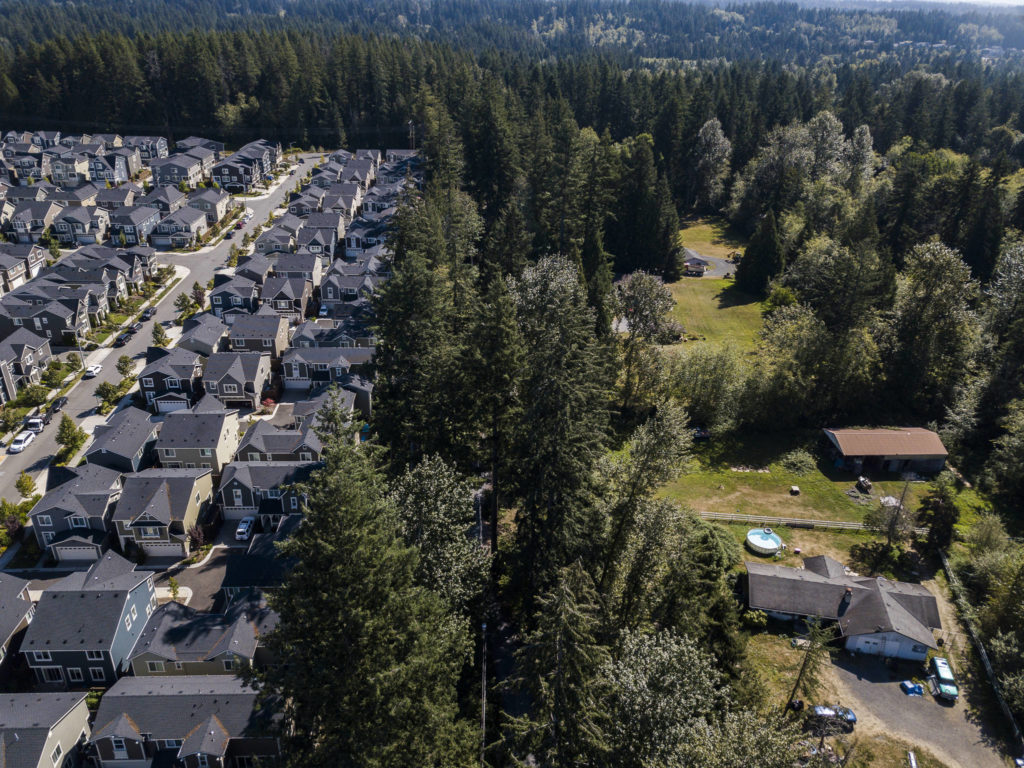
35,424
946,687
123,339
135,327
57,405
230,235
240,224
148,312
324,310
92,371
821,718
21,442
244,530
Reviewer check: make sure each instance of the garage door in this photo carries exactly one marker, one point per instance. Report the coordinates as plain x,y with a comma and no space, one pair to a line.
76,554
166,406
164,550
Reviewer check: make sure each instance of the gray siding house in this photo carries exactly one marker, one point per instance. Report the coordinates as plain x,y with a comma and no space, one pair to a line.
159,507
125,443
71,519
237,378
43,730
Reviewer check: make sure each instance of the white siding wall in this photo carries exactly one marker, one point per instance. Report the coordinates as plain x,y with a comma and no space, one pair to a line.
888,644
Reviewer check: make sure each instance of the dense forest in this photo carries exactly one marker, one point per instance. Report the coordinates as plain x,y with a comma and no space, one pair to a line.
873,158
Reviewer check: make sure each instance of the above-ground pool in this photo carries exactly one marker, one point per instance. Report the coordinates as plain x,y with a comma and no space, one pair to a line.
764,541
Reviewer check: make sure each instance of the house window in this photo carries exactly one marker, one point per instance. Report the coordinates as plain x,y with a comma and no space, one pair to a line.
94,655
236,301
229,665
44,521
268,342
169,453
173,384
304,456
172,743
179,666
273,493
47,536
237,494
117,744
148,532
202,761
205,465
230,389
155,666
190,465
216,300
329,293
77,521
205,452
135,613
57,752
254,457
41,656
294,502
75,675
128,622
97,675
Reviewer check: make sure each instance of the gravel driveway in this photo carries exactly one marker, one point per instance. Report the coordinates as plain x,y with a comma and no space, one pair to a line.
872,690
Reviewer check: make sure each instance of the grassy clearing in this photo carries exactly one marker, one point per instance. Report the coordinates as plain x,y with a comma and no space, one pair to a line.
711,236
876,749
717,312
835,544
713,484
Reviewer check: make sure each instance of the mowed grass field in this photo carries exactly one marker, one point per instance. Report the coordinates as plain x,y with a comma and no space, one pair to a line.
717,312
711,236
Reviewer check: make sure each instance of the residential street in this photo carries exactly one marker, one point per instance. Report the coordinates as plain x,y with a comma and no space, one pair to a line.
81,400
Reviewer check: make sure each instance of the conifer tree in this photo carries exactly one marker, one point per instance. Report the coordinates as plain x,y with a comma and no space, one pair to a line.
763,258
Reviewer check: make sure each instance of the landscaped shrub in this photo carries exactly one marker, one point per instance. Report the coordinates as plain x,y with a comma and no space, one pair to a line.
799,461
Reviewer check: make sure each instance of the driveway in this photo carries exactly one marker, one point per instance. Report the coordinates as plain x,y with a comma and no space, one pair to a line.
718,267
872,690
204,580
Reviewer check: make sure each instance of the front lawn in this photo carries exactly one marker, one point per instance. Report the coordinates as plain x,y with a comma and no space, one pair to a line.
717,312
711,236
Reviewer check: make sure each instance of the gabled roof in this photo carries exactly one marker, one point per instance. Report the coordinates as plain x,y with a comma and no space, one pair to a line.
268,474
179,363
859,605
209,195
166,194
14,604
124,434
907,441
240,366
25,723
323,220
236,285
174,707
332,356
296,262
14,345
265,438
176,632
256,265
258,327
133,214
189,216
163,494
83,610
287,287
87,491
188,429
205,328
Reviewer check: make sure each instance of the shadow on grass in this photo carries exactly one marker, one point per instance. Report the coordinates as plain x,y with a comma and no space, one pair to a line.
754,449
731,296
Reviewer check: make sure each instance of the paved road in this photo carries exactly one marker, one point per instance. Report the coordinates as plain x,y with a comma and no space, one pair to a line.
82,401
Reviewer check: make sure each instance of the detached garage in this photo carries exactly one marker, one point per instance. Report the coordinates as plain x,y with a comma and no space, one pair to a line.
895,449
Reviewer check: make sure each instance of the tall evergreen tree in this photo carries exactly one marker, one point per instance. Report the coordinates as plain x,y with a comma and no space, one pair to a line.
763,258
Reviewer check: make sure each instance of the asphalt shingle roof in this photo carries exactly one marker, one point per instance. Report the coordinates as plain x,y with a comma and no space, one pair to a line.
124,434
161,493
188,429
176,632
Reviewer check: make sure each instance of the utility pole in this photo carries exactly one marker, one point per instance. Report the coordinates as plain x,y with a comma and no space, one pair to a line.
412,135
483,693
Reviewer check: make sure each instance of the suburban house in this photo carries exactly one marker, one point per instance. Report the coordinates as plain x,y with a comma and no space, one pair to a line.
205,439
82,225
160,506
277,239
34,257
32,219
263,488
75,197
125,443
71,168
907,449
108,140
287,296
43,730
133,224
66,321
16,612
237,378
321,333
305,367
71,519
214,203
175,169
109,167
167,200
87,623
181,229
203,334
236,175
118,197
184,145
12,272
179,640
263,334
196,721
264,441
306,413
172,380
132,158
206,158
24,356
300,266
150,147
260,567
329,225
886,618
693,264
255,268
236,292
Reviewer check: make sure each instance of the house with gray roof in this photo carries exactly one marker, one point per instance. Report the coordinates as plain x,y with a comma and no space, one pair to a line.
160,506
150,147
165,199
125,443
179,640
75,197
43,730
184,145
237,378
262,334
183,228
32,219
214,203
263,488
300,266
255,268
24,356
82,225
874,615
135,222
71,519
287,296
87,623
306,367
118,197
187,720
175,169
16,612
277,239
203,334
171,380
264,441
200,438
238,293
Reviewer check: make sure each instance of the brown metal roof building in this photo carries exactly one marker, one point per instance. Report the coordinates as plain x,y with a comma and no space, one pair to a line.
889,449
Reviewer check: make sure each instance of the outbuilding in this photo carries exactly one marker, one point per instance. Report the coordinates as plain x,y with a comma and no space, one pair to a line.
888,449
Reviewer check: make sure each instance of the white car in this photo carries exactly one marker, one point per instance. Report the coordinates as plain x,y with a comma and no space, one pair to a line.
92,371
21,442
244,530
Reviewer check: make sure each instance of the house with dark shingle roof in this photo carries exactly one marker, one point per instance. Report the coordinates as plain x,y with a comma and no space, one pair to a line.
16,612
87,623
118,197
160,506
175,169
43,730
150,147
237,378
214,203
263,488
24,356
71,519
255,268
171,380
135,222
262,334
874,615
203,334
186,720
181,229
264,441
82,225
287,296
125,443
201,438
277,239
239,293
167,199
305,367
179,640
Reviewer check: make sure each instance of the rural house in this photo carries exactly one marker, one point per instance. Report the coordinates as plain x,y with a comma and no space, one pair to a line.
908,449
